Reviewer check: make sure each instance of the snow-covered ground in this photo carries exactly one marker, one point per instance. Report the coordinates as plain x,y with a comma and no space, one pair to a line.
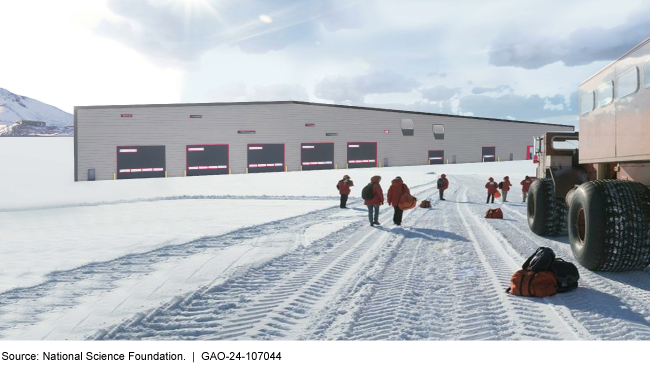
271,256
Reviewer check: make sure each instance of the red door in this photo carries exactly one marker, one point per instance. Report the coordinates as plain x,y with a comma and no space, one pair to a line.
529,153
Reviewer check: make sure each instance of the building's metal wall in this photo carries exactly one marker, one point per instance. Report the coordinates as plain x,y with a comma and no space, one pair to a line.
100,130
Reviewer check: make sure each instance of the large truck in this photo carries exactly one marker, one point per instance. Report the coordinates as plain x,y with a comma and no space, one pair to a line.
593,184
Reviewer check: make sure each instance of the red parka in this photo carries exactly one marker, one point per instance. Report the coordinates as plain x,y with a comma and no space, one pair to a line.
446,182
344,186
492,186
525,185
506,184
378,199
397,188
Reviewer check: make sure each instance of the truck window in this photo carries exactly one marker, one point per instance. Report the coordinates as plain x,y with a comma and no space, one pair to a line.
605,93
587,103
627,83
563,143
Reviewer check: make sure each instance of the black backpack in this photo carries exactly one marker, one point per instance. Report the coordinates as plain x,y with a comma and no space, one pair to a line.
541,260
441,183
501,185
567,275
367,192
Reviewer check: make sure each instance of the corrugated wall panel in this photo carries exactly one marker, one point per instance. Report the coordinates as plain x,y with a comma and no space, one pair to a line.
99,131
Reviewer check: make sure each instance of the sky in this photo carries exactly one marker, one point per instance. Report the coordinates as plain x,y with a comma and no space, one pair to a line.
506,59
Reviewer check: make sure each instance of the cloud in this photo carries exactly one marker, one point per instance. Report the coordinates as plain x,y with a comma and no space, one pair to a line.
513,106
237,92
439,93
483,90
583,46
343,89
437,73
176,33
278,92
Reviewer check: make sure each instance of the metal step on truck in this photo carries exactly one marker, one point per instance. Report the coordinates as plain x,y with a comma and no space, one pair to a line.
593,184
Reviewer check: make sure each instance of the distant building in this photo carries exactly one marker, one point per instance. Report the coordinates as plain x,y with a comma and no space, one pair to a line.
141,141
31,122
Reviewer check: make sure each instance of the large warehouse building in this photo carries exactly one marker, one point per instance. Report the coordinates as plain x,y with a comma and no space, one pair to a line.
174,140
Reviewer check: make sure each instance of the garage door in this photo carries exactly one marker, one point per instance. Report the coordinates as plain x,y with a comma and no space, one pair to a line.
362,154
436,157
207,159
489,154
137,162
317,156
265,157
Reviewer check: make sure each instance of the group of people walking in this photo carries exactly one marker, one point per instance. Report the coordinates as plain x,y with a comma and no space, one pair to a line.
492,187
375,196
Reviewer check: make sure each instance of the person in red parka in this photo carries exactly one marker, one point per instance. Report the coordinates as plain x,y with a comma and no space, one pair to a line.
505,188
492,188
525,185
377,200
344,189
395,192
442,184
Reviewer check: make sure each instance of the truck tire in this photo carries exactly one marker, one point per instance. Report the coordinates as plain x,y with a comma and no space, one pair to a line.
546,214
609,224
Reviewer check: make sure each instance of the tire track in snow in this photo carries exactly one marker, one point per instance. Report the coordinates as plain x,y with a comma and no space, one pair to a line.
422,288
598,302
392,299
265,302
64,289
457,296
534,317
276,300
612,306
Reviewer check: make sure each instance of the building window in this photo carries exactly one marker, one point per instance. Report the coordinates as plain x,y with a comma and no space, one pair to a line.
627,83
438,131
587,103
605,93
407,127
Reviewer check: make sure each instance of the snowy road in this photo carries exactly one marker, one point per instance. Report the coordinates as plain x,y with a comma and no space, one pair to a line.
440,276
311,271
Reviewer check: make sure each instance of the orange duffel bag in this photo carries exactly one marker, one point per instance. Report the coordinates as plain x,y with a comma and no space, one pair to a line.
494,213
528,283
425,204
407,201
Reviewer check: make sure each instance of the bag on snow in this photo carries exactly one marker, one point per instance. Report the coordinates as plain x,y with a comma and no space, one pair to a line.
501,185
496,213
566,274
497,194
407,201
425,204
541,260
367,192
528,283
441,183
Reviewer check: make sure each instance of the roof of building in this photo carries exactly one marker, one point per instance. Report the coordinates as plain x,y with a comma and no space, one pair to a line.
310,103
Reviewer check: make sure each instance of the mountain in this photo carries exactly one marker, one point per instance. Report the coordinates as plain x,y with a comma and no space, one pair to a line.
14,107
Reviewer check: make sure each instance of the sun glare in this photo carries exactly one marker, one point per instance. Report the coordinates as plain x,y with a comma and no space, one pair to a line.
266,19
